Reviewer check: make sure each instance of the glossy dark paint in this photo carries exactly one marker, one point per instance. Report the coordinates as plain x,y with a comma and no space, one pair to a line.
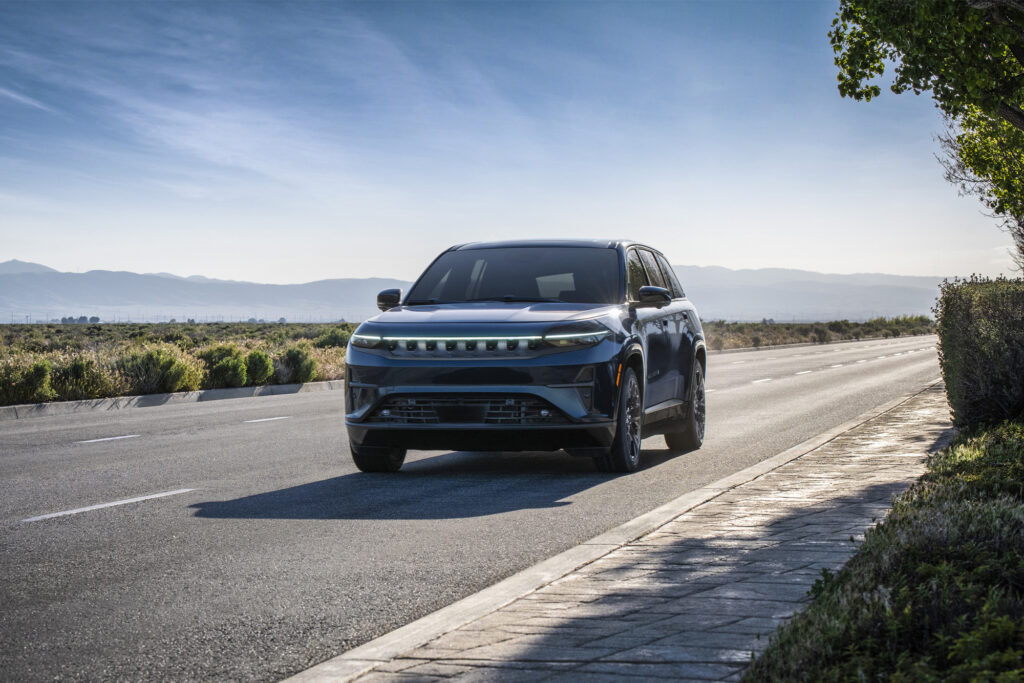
661,336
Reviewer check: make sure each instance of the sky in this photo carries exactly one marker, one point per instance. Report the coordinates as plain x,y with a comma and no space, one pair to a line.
290,142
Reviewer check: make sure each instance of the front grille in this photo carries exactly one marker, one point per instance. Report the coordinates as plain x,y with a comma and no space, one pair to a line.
480,409
447,349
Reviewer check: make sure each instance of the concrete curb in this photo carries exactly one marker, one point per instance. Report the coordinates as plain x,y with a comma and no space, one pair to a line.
29,410
358,661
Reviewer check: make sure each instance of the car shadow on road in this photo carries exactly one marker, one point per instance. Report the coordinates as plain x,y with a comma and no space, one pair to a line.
447,486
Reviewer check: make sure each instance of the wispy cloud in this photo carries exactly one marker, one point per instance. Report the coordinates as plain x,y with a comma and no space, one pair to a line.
24,99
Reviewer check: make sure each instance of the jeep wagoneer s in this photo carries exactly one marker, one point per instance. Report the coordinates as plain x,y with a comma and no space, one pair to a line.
586,346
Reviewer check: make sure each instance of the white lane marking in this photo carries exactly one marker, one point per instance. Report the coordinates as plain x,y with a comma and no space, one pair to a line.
110,438
708,391
267,419
106,505
737,362
883,356
837,365
863,360
758,381
897,354
803,372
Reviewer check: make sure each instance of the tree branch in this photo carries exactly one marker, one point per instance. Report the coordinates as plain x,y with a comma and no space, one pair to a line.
1013,114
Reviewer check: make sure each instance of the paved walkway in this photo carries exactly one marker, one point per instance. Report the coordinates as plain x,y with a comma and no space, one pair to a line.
698,597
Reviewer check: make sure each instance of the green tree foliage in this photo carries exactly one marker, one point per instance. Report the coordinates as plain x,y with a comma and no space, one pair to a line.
301,366
985,158
969,54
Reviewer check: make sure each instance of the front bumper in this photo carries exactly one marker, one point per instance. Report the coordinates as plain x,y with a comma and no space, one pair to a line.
426,405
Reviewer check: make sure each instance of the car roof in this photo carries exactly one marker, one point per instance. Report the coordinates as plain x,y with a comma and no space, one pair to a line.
598,244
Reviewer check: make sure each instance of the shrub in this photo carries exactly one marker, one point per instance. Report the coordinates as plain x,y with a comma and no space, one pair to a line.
25,380
258,367
301,367
821,334
160,369
935,592
229,372
82,378
981,348
337,336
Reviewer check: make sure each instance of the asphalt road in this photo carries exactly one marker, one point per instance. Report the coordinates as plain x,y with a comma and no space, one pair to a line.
281,555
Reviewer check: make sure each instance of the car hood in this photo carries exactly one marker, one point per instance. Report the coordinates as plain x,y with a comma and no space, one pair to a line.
491,312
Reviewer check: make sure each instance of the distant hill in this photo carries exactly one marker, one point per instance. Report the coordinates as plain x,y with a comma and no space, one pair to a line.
29,289
803,295
14,266
117,295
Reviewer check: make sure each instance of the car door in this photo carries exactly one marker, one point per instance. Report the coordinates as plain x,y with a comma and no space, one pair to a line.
684,329
657,322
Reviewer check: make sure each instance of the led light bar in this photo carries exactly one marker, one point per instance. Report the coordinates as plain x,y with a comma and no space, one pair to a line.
458,339
579,335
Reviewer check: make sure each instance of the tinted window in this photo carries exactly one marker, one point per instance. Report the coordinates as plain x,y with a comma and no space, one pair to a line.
670,277
636,276
653,272
573,274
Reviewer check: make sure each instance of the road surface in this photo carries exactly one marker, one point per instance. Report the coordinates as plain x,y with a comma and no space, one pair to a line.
253,549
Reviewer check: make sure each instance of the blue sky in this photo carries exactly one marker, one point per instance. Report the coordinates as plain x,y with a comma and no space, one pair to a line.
287,142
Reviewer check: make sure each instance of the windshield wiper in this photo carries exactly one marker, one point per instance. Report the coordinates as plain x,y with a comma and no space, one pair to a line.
513,297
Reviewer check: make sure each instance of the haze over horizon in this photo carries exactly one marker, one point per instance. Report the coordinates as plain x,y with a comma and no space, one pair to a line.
300,142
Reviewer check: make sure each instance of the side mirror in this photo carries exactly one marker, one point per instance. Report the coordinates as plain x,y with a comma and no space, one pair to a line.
653,297
388,299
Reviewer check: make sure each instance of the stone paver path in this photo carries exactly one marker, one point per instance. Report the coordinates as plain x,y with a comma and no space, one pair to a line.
698,597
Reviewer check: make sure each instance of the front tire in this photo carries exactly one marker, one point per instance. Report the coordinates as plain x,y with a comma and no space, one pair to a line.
374,459
624,454
691,437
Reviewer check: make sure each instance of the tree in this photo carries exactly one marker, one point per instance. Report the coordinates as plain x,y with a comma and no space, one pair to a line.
968,53
983,157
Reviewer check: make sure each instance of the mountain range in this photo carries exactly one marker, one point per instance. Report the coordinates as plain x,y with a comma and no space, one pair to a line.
30,291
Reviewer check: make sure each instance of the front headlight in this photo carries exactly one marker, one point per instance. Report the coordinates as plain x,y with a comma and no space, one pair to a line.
366,341
576,335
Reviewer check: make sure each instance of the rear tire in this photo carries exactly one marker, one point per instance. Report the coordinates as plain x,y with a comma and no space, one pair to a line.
374,459
624,454
691,436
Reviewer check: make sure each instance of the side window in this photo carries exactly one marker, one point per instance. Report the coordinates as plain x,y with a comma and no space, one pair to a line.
653,272
636,277
670,277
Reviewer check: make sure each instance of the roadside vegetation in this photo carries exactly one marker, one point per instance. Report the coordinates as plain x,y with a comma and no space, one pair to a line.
723,335
936,590
68,362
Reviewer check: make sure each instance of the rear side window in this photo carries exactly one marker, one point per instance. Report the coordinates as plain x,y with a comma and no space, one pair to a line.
670,277
653,271
636,276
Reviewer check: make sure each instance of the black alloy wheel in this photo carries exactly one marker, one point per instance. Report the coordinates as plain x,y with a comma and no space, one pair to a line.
624,454
691,436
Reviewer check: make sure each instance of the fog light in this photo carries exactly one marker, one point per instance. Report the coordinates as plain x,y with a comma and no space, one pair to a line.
544,412
385,412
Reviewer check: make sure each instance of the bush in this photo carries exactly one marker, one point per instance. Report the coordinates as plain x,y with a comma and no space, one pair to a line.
300,366
337,336
258,367
229,372
981,348
82,378
935,592
161,369
23,380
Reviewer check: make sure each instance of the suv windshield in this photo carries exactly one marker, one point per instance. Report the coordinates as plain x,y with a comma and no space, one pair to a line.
571,274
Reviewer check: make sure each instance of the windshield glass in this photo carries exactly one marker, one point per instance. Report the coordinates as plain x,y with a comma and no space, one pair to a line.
571,274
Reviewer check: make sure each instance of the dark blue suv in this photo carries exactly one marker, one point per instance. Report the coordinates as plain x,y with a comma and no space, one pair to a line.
532,345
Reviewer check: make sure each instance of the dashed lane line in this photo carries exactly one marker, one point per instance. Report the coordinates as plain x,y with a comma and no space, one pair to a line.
106,505
758,381
110,438
803,372
267,419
